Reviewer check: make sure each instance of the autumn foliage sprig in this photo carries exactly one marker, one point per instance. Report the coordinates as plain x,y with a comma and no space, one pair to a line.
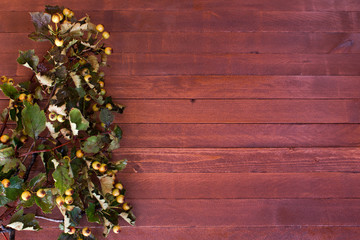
62,117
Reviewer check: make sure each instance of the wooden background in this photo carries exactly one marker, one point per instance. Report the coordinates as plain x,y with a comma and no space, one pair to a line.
242,117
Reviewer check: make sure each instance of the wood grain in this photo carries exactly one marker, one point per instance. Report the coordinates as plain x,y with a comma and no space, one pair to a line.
242,212
204,21
209,42
198,5
131,64
215,233
240,160
240,135
240,185
229,87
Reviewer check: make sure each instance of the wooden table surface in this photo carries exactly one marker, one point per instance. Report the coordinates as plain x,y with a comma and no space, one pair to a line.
242,117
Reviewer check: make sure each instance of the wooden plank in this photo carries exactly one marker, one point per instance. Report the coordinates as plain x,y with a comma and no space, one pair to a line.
229,87
239,160
240,111
209,42
130,64
240,135
204,21
199,5
240,185
244,212
237,111
213,233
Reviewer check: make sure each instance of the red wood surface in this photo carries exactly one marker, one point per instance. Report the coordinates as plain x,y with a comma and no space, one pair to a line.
242,117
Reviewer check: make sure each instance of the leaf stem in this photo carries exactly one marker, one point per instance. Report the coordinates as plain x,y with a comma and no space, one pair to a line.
34,156
4,124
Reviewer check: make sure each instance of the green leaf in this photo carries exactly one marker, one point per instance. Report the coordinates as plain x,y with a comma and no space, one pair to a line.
77,121
75,216
24,222
114,144
28,59
118,132
7,158
12,192
38,180
65,236
10,91
106,116
25,85
120,165
91,213
62,178
46,203
93,144
33,120
41,21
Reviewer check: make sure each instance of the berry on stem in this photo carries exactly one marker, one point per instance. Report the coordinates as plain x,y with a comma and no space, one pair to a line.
108,50
4,138
86,231
103,168
79,153
26,195
96,165
119,186
69,192
116,229
100,28
69,199
22,97
120,199
72,230
115,192
52,116
5,182
41,193
60,200
106,35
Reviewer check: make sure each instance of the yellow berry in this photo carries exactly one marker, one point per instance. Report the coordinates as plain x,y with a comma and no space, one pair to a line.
109,106
103,125
70,207
102,92
103,168
4,138
26,195
126,207
55,18
71,14
60,16
87,98
22,97
69,200
67,158
95,108
60,118
108,50
66,11
119,186
120,199
60,200
52,116
41,193
59,42
100,28
5,182
115,192
106,35
86,231
4,79
69,192
23,139
29,97
116,229
96,165
10,81
72,230
79,154
85,71
102,84
87,78
82,61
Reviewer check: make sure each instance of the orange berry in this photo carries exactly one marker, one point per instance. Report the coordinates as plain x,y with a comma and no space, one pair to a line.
79,154
26,195
115,192
119,186
106,35
86,231
126,207
4,138
116,229
103,168
5,182
69,192
22,97
108,50
120,199
100,28
41,193
72,230
96,165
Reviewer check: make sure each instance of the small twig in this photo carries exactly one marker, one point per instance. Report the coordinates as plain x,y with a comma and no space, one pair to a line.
4,124
26,176
49,219
11,232
51,95
4,236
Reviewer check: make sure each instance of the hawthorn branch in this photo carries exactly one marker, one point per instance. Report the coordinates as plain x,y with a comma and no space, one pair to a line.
4,124
4,229
26,176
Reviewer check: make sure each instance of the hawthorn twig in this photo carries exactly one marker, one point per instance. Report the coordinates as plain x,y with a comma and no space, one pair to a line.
5,236
26,176
4,229
4,124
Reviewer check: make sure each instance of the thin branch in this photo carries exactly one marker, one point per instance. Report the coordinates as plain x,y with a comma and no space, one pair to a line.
4,229
51,94
49,219
4,124
5,236
34,156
